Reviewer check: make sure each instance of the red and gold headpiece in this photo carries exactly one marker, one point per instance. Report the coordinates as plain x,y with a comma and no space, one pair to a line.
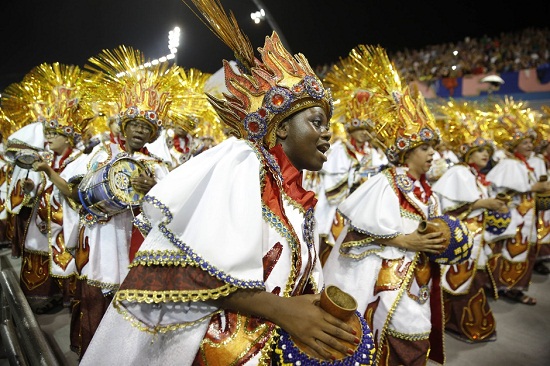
52,94
513,122
140,91
465,127
261,93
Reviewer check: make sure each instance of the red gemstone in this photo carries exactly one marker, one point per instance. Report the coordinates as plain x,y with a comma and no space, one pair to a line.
253,127
262,112
363,96
277,99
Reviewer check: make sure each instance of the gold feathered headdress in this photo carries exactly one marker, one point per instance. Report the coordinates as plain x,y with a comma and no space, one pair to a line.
52,94
464,127
262,93
351,90
401,118
513,122
140,90
195,113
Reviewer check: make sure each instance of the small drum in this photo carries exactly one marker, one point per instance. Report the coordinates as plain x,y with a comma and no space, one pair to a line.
108,190
25,157
458,239
343,306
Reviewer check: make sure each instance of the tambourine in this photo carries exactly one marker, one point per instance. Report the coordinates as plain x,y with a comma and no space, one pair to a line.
26,157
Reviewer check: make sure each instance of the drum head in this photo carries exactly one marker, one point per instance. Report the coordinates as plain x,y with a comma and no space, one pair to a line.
23,158
119,175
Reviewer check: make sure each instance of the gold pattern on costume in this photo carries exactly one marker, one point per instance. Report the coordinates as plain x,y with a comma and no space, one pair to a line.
527,204
61,256
337,225
477,323
391,275
474,225
516,245
82,254
35,269
459,274
369,313
512,272
543,227
422,272
17,195
408,337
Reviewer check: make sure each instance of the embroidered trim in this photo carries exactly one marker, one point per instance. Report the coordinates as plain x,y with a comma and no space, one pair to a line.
409,337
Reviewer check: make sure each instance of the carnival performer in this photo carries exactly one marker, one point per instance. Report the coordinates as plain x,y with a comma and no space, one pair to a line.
381,256
352,158
542,151
517,177
465,193
52,93
108,239
229,264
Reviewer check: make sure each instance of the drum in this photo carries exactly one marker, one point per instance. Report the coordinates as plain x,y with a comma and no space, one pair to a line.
26,157
497,222
108,190
458,240
343,306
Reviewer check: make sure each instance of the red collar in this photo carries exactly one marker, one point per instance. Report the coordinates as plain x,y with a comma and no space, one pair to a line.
65,155
479,175
424,183
292,180
177,144
524,160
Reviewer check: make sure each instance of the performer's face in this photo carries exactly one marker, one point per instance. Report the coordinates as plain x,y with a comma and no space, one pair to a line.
525,147
57,142
480,158
305,138
137,134
361,136
419,160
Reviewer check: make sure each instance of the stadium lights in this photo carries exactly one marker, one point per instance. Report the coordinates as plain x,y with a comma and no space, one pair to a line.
173,44
258,16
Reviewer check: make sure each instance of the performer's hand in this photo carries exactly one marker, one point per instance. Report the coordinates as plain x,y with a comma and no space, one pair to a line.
143,183
430,242
492,204
540,187
40,166
314,328
299,316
